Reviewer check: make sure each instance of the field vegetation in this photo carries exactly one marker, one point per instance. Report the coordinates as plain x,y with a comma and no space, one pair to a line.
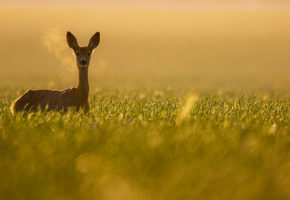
160,144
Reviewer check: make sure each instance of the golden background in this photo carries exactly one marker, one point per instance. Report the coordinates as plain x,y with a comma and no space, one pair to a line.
195,44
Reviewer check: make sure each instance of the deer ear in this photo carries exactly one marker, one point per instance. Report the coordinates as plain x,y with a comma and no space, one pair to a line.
72,41
94,41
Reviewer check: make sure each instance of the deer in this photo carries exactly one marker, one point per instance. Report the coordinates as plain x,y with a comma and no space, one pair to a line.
75,98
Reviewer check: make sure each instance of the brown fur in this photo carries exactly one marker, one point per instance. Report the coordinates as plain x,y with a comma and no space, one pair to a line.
59,100
62,100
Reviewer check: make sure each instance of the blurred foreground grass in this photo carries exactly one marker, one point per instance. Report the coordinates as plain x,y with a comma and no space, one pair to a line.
158,144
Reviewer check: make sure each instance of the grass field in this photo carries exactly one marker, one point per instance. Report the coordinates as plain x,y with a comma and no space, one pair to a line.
149,144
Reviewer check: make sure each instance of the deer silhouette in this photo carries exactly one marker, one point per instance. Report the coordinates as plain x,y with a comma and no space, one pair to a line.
62,100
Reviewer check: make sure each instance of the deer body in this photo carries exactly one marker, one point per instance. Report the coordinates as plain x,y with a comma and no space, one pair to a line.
62,100
50,100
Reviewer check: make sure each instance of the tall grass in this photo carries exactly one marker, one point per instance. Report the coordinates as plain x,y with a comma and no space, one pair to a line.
149,145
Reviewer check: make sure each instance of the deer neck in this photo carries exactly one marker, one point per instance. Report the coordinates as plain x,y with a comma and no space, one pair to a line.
83,87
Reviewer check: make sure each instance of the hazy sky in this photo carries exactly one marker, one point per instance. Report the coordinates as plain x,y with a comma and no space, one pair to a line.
251,4
151,39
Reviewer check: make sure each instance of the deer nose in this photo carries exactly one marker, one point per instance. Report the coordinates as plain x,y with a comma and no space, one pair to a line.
83,62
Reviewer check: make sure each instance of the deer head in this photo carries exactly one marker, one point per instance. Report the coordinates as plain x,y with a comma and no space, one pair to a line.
83,54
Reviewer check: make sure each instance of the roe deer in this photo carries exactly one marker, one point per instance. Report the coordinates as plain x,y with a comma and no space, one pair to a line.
61,100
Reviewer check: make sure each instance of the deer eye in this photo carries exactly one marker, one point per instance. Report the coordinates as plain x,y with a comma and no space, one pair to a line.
78,53
89,54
